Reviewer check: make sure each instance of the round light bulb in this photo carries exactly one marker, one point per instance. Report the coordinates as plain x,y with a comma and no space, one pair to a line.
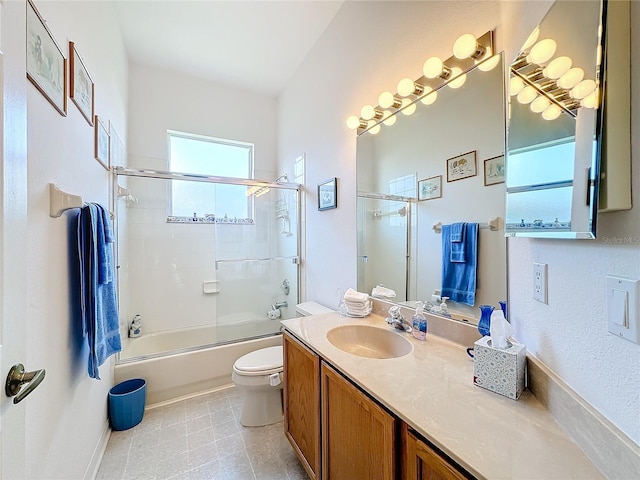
516,84
386,100
430,97
433,67
374,130
542,51
531,39
591,100
557,67
539,104
583,89
390,119
552,112
490,63
527,95
465,46
571,78
406,87
353,122
408,108
368,112
458,79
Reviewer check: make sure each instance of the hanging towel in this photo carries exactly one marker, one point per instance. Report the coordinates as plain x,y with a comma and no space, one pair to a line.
99,303
459,279
458,242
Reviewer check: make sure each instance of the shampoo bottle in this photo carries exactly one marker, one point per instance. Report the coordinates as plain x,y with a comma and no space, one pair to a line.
419,323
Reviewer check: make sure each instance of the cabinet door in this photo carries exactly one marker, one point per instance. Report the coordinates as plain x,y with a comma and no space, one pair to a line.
302,403
358,436
421,462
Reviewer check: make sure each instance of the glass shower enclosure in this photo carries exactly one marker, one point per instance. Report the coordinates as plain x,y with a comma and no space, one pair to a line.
203,260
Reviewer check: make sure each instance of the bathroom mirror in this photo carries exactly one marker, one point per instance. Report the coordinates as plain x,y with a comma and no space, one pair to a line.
398,246
555,126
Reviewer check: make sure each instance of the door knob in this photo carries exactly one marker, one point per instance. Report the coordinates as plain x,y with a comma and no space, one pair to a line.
17,377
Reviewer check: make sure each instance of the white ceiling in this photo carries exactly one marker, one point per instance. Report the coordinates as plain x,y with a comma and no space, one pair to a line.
254,45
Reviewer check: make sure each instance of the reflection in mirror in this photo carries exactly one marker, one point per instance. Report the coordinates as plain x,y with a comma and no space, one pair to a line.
398,246
554,126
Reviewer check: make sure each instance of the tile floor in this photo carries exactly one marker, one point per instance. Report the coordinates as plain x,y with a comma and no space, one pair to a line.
200,438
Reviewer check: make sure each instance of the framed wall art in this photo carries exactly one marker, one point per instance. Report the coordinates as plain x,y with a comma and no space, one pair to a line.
494,170
101,143
430,188
46,64
81,87
462,166
117,150
328,194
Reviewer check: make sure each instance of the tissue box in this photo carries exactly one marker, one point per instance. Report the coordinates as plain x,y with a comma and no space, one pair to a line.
501,371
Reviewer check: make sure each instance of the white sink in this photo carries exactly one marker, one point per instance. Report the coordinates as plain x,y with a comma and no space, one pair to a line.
370,342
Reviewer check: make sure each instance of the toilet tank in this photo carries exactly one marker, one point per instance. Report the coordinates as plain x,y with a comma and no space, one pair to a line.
311,308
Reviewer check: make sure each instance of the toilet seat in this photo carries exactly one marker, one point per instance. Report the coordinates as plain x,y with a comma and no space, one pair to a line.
260,362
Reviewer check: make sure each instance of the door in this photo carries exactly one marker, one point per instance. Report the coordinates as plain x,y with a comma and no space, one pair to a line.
13,209
421,462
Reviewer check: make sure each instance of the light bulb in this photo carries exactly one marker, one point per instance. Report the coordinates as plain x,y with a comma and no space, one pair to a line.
374,130
516,84
527,94
353,122
433,67
552,112
458,79
583,89
542,51
389,119
408,108
406,87
531,39
571,78
590,101
386,100
557,67
490,63
465,46
430,97
539,104
368,112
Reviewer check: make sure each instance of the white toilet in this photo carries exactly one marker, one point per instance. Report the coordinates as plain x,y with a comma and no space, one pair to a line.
259,375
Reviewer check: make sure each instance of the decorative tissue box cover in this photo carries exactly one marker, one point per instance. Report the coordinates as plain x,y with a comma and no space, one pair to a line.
501,371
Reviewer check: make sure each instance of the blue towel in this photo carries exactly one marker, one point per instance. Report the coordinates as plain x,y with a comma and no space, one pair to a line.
99,303
459,279
458,242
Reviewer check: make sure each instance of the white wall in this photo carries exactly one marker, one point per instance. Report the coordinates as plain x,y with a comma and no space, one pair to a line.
367,48
67,414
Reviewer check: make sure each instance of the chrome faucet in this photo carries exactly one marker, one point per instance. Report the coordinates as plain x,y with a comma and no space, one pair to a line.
396,320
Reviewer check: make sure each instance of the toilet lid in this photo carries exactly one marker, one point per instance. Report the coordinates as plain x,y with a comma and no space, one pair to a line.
263,360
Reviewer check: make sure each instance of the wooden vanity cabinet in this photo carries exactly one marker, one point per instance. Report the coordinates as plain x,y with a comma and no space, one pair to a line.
301,395
358,435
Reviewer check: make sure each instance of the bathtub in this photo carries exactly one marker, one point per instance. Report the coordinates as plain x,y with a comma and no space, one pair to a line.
189,369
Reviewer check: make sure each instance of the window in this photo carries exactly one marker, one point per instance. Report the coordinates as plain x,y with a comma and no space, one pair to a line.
189,153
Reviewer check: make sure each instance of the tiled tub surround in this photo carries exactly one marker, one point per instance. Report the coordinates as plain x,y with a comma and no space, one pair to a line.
432,390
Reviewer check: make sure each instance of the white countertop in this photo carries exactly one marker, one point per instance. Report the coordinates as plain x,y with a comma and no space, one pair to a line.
432,390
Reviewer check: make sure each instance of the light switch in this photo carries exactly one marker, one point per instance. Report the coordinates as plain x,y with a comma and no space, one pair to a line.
623,307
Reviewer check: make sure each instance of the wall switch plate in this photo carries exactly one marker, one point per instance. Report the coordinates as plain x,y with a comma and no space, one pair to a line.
623,307
540,282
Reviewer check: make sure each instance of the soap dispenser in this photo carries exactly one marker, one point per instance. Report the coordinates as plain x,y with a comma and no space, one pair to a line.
443,306
419,323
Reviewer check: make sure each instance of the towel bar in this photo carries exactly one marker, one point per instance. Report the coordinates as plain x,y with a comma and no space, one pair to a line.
493,224
60,201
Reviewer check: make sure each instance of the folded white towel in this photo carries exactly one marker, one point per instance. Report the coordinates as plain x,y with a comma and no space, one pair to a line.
357,304
352,295
380,291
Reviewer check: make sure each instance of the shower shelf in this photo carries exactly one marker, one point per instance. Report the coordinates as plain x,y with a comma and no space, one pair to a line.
294,260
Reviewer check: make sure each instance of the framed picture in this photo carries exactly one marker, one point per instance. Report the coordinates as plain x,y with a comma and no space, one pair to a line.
462,166
117,150
46,64
494,170
81,87
101,143
430,188
328,194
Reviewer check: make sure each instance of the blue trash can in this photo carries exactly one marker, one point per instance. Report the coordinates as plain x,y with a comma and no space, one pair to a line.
126,403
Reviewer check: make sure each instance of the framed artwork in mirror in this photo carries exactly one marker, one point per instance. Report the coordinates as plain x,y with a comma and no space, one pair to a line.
81,87
328,194
46,64
462,166
494,170
430,188
101,143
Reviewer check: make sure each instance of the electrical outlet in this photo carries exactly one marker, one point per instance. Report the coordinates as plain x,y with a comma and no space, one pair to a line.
540,282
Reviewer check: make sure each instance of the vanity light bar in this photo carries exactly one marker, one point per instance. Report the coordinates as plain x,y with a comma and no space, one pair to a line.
437,74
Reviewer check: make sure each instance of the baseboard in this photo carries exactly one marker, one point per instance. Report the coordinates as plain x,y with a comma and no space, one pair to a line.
615,454
94,465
